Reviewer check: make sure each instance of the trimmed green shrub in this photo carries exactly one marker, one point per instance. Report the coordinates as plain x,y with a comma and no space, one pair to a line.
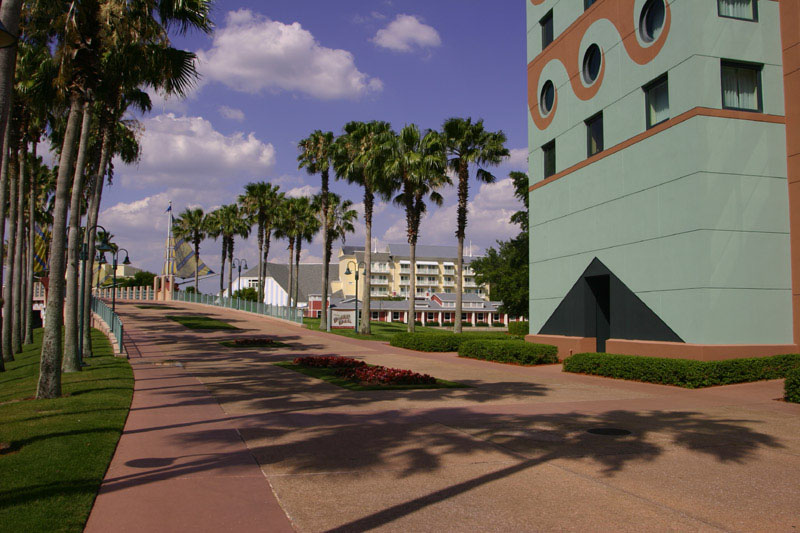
509,351
482,324
792,386
447,324
432,324
466,324
682,372
519,329
417,322
498,325
441,341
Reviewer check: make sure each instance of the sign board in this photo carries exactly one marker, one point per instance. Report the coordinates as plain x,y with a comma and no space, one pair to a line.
343,319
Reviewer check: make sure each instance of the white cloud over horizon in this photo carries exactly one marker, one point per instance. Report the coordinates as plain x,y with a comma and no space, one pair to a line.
231,113
407,33
252,53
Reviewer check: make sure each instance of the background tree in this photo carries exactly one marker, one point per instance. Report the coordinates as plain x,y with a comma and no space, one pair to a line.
359,159
260,200
469,144
506,270
192,226
307,226
417,164
316,153
340,221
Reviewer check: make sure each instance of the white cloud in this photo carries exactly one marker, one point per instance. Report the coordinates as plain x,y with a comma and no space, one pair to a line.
188,151
518,159
405,33
253,53
304,190
231,113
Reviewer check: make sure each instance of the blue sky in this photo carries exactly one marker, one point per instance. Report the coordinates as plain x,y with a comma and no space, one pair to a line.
275,71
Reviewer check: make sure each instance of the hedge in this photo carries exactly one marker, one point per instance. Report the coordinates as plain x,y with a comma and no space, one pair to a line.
518,328
682,372
482,324
792,386
498,325
509,351
441,341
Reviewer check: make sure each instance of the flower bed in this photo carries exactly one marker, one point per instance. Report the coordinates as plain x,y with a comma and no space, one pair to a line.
332,361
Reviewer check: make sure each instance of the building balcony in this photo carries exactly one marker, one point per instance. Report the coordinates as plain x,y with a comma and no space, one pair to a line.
449,284
404,282
379,281
427,282
384,269
470,284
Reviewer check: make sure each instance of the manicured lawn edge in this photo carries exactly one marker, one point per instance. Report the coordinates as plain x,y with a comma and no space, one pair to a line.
791,387
381,331
682,372
59,449
327,375
200,322
514,351
443,341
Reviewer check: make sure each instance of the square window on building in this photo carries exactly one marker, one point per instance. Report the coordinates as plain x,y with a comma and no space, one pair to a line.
741,86
549,156
375,315
656,96
547,29
594,135
395,316
431,316
463,317
738,9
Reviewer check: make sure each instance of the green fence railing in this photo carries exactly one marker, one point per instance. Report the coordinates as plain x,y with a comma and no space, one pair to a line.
111,319
275,311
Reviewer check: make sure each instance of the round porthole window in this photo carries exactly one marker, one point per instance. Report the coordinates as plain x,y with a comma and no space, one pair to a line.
592,60
547,98
652,20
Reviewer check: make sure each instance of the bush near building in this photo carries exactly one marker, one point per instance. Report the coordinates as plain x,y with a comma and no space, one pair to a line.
792,386
443,341
509,351
682,372
519,329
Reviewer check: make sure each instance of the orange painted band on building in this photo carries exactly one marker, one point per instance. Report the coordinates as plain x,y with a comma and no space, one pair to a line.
566,50
683,117
671,350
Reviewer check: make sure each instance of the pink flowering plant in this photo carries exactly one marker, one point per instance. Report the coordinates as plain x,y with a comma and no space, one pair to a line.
381,375
330,361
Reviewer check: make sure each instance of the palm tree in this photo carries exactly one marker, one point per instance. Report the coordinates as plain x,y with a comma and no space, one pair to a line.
287,228
340,221
191,225
235,223
469,144
316,153
214,230
358,158
260,200
307,226
417,163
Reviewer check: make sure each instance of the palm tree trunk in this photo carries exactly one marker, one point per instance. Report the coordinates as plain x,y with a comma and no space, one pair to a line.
197,266
4,185
412,291
297,270
230,267
323,317
91,224
463,195
9,15
222,267
16,333
267,238
28,338
369,200
50,365
291,271
71,361
8,292
260,291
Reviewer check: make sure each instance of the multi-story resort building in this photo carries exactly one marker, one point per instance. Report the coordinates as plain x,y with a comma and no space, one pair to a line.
436,272
664,151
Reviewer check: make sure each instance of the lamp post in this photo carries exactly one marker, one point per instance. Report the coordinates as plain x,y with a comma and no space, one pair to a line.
125,261
347,272
104,246
239,263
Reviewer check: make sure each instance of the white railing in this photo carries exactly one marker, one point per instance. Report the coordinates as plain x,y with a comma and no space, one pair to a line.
276,311
126,293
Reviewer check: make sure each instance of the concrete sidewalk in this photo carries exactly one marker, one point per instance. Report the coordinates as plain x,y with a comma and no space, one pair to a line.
510,453
180,464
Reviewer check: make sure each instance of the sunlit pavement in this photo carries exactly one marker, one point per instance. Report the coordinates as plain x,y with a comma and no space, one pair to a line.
219,438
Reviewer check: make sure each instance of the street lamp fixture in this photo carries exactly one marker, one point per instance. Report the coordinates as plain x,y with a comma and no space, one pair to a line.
126,261
348,272
239,263
101,248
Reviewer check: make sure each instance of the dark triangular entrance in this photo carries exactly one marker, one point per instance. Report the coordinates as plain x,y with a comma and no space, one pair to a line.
599,305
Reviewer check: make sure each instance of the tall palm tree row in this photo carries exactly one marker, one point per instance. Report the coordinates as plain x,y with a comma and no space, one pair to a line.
192,225
260,201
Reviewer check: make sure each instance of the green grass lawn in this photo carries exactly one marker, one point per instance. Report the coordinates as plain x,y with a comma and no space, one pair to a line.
200,322
381,331
56,452
328,374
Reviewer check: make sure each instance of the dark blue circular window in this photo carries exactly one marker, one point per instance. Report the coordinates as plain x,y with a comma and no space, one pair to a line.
592,60
547,98
652,20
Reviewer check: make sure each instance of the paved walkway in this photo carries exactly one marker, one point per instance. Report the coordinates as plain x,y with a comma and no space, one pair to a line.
218,441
